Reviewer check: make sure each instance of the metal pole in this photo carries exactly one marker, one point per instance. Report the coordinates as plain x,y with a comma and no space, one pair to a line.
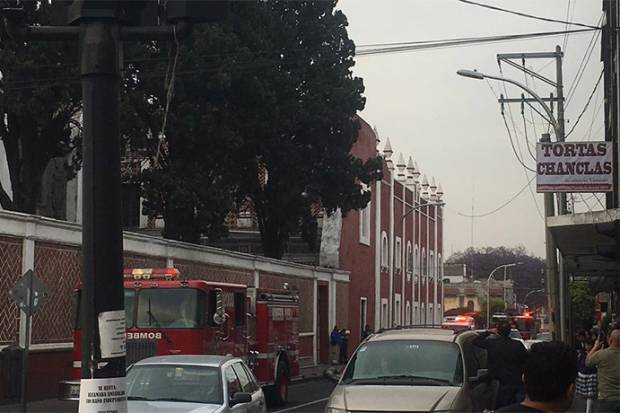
563,287
102,241
489,301
24,378
551,266
504,289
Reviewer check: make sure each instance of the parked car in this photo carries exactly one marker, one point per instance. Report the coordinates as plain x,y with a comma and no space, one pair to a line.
415,369
516,335
193,383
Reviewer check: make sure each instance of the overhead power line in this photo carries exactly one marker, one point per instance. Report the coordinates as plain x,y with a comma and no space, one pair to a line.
587,104
411,46
505,204
526,15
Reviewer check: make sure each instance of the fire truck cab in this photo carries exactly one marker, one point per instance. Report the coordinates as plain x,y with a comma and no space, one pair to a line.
167,314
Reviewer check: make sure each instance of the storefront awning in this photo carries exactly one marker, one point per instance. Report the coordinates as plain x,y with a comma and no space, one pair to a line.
586,249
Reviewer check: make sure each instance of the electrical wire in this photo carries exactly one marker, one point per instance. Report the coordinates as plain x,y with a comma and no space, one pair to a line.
565,42
513,146
583,64
514,127
527,141
586,105
465,42
526,15
505,204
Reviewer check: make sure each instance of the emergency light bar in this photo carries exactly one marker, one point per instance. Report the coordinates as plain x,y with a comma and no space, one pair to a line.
151,273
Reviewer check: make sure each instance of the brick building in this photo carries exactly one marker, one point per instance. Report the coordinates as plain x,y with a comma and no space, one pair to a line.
393,248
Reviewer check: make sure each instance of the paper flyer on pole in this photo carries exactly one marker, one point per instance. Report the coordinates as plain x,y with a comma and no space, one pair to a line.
103,395
112,334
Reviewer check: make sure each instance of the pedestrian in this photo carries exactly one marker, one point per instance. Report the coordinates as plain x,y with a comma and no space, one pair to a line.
549,376
607,363
366,332
586,384
335,340
344,343
506,358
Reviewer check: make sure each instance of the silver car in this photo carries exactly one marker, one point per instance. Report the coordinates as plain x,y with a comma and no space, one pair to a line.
413,369
196,384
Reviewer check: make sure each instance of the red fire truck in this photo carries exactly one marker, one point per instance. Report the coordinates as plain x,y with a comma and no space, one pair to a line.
167,314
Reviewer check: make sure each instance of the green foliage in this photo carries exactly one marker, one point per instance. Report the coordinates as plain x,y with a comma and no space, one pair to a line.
497,306
527,276
39,100
582,304
268,90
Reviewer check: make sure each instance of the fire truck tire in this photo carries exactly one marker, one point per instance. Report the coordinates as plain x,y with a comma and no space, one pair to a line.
278,393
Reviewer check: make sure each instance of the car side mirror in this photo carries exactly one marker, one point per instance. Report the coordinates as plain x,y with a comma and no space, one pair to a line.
239,398
481,376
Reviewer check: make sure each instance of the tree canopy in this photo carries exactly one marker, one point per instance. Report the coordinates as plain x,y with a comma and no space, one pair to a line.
528,276
39,100
263,114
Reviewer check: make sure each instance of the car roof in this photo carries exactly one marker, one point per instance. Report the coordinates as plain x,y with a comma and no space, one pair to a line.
414,333
194,360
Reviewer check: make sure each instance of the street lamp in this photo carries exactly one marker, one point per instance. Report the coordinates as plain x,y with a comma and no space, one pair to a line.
473,74
505,266
556,301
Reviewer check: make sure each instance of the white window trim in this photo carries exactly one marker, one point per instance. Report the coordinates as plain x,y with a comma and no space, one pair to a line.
364,316
398,254
365,215
407,313
416,260
384,250
397,309
384,314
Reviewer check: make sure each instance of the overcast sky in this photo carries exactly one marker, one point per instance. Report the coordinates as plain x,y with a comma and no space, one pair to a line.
451,125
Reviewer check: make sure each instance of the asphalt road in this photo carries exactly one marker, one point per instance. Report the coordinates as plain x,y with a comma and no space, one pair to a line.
307,397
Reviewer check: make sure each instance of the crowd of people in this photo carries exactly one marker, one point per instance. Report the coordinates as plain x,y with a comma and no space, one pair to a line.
547,377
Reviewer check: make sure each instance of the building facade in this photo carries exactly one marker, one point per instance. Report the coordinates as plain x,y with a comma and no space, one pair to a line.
393,248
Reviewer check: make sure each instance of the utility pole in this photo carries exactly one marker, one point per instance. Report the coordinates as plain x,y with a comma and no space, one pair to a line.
563,285
551,258
556,277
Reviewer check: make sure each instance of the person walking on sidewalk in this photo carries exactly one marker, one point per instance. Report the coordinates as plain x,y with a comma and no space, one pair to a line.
506,358
607,363
335,340
344,346
586,383
549,376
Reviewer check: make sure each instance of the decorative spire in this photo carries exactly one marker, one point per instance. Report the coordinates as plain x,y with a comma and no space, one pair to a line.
439,192
387,150
424,182
401,167
410,166
433,186
416,173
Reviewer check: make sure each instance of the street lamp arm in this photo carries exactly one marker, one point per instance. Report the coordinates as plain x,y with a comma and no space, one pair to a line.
478,75
538,99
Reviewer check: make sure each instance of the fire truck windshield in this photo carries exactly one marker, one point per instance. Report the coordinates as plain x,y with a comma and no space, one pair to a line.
170,308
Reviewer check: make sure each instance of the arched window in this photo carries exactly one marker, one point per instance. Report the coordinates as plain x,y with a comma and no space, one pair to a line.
408,313
424,262
431,271
409,257
439,268
416,260
384,250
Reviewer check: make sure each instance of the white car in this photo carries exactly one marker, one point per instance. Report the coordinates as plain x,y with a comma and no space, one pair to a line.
516,335
196,384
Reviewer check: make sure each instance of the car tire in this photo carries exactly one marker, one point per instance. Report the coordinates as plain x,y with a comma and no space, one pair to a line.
278,392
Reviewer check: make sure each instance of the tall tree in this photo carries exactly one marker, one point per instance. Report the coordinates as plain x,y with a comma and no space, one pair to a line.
528,275
582,303
264,111
39,101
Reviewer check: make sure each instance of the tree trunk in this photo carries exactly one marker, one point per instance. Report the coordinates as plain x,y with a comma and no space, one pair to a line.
272,235
179,225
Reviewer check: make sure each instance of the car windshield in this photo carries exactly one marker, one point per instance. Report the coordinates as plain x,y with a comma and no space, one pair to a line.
170,308
515,334
176,383
421,362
